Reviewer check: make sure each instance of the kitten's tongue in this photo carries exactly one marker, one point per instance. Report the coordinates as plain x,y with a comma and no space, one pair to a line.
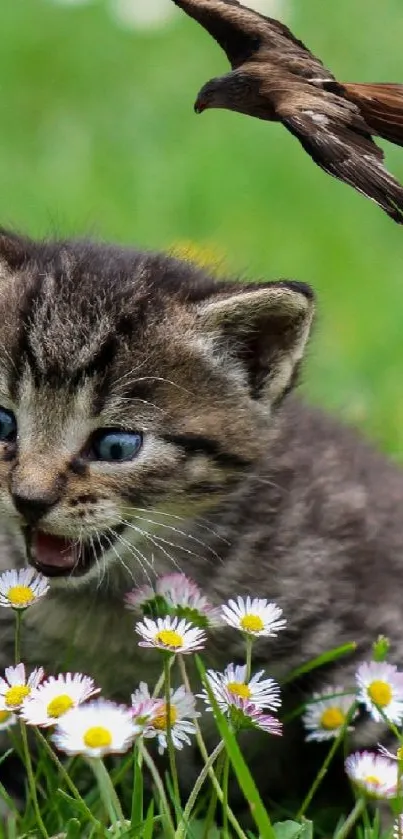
54,551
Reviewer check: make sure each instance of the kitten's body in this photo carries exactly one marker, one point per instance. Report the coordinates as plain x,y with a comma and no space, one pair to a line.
251,492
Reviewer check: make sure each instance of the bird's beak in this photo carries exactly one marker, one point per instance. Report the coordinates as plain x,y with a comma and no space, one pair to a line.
199,108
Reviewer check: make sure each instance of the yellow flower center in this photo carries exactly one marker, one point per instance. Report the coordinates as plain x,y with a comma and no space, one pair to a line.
371,779
332,718
16,695
380,693
169,638
160,721
252,623
59,705
4,716
239,689
97,737
20,596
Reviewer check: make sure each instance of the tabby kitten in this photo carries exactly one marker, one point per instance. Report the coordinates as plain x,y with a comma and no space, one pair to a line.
145,425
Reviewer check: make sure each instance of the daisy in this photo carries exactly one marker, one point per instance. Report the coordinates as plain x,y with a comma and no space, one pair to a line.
16,686
138,597
6,720
20,589
170,634
254,617
181,713
263,694
174,594
327,714
54,697
144,706
96,729
244,714
185,597
374,774
380,688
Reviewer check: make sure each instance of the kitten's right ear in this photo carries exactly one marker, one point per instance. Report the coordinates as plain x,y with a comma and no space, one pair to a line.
265,328
13,251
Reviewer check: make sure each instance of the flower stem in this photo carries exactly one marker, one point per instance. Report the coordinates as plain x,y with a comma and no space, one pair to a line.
204,753
159,786
249,645
107,791
326,763
351,819
67,780
31,780
225,780
182,827
17,639
171,748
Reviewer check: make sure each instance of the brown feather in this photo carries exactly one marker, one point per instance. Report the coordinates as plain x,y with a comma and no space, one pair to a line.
381,105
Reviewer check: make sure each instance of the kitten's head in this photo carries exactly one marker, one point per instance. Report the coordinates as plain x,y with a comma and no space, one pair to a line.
133,387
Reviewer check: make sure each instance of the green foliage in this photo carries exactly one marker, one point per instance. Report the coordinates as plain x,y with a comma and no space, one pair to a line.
99,137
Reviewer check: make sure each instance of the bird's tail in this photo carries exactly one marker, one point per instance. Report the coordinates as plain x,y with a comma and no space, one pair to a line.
381,105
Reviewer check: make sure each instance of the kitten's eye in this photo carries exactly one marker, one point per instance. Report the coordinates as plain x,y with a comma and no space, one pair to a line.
8,426
116,446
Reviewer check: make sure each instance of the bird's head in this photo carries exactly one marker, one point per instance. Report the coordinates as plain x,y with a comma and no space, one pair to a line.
232,91
210,96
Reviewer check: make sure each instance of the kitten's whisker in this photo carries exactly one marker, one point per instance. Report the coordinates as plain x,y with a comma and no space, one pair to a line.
172,544
195,522
137,555
182,533
117,554
96,558
148,536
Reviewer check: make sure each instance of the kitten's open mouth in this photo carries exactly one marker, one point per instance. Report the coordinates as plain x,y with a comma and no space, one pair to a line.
58,556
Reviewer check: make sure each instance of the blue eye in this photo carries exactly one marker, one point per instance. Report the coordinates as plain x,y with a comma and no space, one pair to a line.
8,426
116,446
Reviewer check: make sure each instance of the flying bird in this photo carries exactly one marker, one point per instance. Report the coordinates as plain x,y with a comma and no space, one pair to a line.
275,77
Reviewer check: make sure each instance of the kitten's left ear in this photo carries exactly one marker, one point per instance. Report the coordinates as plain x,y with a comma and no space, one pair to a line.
265,327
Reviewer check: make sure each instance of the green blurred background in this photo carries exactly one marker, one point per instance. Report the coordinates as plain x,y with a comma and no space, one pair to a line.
98,136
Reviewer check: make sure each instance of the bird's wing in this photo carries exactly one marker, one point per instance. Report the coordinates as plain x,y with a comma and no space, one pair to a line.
339,141
240,31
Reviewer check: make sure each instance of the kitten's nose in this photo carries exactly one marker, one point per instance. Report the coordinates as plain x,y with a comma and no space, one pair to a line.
33,506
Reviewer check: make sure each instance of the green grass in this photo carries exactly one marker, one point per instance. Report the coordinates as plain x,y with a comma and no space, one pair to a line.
98,136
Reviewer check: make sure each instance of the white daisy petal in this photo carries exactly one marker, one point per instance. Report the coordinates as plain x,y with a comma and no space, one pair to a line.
255,617
55,697
170,634
373,774
20,589
17,686
182,713
327,714
380,688
96,729
232,682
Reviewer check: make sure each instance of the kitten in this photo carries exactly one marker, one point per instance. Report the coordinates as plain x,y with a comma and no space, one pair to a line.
146,425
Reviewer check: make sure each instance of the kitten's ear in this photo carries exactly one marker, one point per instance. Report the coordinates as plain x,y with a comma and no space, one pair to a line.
13,251
266,327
